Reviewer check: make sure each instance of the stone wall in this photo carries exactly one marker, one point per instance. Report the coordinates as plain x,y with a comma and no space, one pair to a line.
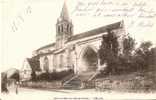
43,85
133,84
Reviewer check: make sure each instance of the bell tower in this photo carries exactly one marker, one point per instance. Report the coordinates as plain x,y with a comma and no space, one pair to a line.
64,27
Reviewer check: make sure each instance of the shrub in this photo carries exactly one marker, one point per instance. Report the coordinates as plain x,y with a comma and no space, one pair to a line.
54,75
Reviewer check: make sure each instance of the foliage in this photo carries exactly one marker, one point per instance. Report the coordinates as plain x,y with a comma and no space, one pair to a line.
144,56
108,52
142,59
125,59
15,76
4,82
128,46
33,76
110,46
54,75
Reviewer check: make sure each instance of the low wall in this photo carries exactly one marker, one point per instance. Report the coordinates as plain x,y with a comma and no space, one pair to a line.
43,85
126,85
88,84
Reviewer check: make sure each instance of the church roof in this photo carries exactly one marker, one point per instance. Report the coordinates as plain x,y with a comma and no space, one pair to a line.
34,64
46,46
64,13
96,31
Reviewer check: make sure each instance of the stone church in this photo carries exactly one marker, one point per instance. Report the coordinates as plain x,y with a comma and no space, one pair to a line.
78,52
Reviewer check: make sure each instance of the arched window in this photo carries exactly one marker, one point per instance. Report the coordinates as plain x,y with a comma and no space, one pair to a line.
68,28
61,28
46,64
58,29
61,60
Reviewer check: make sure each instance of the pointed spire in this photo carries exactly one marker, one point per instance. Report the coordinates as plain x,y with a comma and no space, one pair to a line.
64,13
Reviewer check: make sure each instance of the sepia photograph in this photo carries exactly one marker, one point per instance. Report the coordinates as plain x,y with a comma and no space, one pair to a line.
78,49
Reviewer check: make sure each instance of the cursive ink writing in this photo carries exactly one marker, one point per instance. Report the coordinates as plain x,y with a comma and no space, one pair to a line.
134,9
19,19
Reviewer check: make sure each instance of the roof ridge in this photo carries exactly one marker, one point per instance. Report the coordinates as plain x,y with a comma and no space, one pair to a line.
96,30
45,46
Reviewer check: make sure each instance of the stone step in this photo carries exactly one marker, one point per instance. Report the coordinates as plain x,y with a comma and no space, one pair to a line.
86,76
76,81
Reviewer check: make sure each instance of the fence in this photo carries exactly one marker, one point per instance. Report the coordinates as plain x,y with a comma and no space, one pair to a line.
88,84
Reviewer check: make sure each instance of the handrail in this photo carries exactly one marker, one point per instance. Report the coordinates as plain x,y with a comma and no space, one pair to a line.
70,79
67,77
93,76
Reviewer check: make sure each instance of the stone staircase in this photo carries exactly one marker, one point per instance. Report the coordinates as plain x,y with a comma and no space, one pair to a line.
73,83
78,81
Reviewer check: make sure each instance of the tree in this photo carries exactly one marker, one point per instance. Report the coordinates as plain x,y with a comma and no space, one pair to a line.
145,46
126,58
152,59
128,46
33,76
143,56
108,52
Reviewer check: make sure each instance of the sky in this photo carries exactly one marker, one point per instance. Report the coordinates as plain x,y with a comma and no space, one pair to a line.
30,24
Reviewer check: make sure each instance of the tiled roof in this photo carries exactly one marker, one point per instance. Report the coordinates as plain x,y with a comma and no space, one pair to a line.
88,33
34,64
46,46
96,31
47,53
55,51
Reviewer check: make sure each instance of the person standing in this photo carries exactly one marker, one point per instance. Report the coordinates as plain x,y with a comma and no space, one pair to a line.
16,87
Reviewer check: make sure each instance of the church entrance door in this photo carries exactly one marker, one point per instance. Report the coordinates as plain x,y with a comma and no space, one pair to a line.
88,60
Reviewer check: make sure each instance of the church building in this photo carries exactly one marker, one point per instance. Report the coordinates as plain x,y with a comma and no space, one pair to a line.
78,52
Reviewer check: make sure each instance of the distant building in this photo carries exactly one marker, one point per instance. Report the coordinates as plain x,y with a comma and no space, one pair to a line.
77,52
29,65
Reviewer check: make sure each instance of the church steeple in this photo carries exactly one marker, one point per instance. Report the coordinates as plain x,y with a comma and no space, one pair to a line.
64,27
64,13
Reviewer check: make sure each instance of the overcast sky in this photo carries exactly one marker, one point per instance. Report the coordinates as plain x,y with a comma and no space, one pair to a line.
30,24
